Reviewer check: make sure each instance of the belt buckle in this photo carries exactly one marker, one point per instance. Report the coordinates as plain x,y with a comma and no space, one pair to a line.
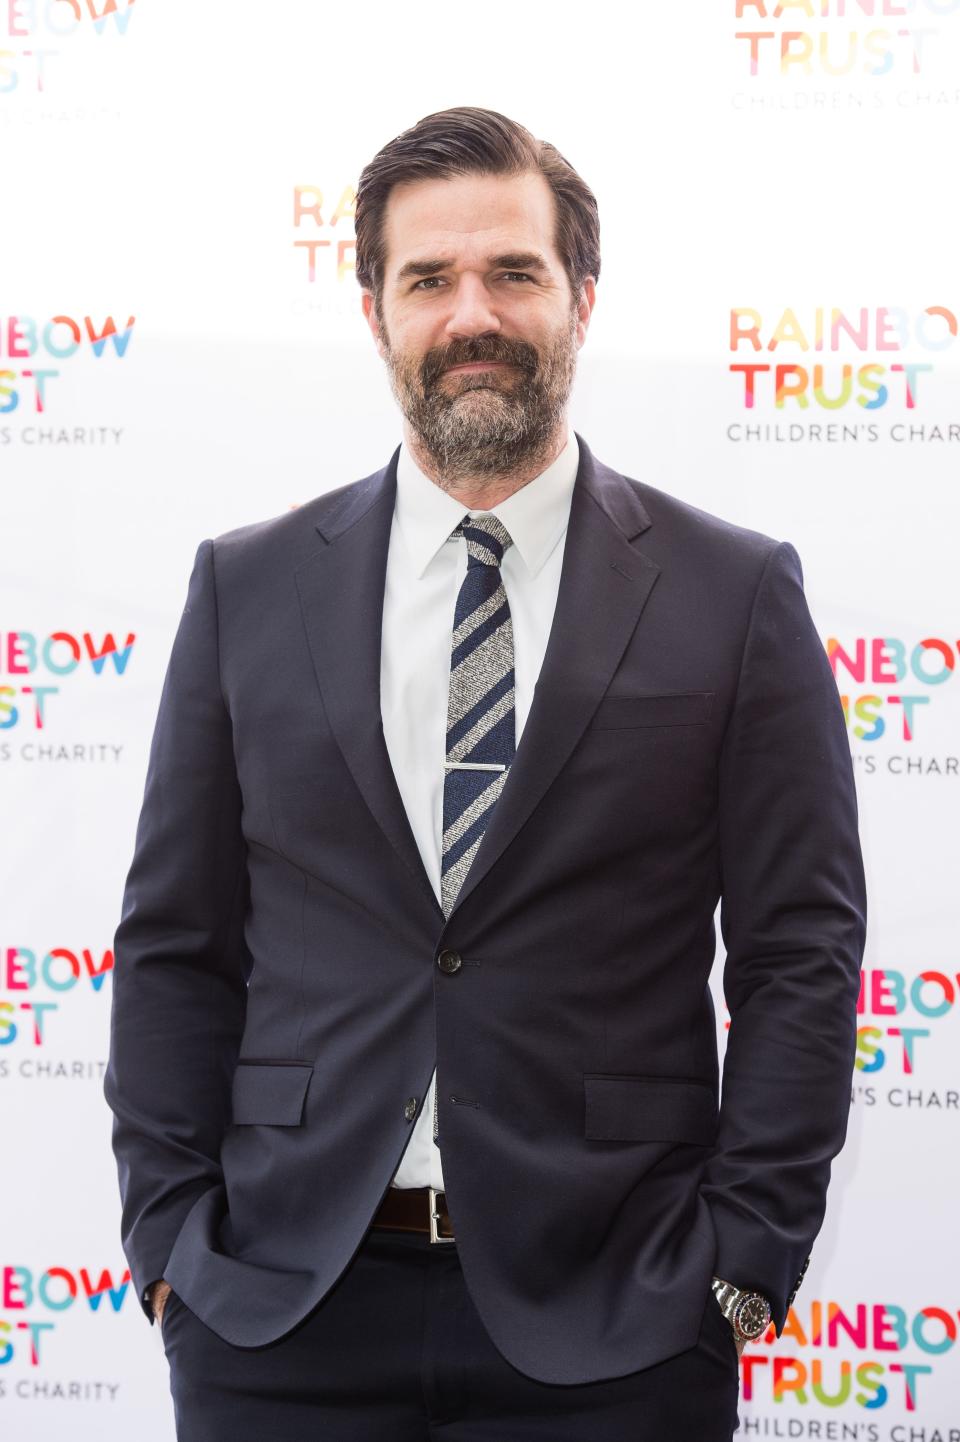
435,1216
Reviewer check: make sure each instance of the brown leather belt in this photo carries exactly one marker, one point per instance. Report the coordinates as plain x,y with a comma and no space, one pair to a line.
415,1209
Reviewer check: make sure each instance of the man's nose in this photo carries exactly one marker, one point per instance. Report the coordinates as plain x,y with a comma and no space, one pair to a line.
473,311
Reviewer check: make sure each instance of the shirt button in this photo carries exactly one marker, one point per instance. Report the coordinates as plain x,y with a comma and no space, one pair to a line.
410,1109
449,961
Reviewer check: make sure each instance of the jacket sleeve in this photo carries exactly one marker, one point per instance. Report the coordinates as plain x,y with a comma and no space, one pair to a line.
793,919
180,961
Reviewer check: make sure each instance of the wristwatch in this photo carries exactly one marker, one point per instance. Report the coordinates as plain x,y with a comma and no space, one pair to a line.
748,1313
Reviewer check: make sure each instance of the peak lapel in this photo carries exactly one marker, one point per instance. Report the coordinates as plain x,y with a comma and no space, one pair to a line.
341,596
604,586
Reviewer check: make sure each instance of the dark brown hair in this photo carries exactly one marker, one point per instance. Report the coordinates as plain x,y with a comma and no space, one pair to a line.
468,141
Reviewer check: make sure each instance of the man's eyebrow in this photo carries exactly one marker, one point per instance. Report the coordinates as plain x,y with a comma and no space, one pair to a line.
515,260
421,268
519,260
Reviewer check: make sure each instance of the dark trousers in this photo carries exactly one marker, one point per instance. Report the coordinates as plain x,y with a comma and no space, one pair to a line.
397,1353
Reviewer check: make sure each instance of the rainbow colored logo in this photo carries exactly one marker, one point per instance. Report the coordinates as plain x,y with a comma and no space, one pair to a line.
56,1290
36,23
871,385
796,39
887,661
30,978
874,1328
926,997
60,338
329,245
61,653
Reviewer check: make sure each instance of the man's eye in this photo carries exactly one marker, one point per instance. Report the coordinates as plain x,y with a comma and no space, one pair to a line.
428,280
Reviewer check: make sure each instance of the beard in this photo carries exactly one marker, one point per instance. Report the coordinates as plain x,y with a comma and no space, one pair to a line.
485,424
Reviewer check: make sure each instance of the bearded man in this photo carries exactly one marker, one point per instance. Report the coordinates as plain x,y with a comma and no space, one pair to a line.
413,1057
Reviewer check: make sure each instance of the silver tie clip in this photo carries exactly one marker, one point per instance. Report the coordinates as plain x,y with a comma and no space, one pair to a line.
474,766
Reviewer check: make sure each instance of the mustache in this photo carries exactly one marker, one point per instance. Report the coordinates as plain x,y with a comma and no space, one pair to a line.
478,348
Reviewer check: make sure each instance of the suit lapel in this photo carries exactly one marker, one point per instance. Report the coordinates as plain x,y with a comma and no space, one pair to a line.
341,595
604,585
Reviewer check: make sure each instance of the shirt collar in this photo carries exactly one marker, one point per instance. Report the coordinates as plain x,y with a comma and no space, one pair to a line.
536,515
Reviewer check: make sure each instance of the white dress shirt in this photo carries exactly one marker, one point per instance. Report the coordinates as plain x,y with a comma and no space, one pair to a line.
425,570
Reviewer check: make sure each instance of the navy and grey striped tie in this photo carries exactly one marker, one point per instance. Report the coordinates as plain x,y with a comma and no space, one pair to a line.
481,719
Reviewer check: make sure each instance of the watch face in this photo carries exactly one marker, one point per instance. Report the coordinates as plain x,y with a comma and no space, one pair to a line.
752,1316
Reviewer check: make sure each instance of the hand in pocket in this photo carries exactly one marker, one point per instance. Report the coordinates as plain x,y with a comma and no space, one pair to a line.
159,1294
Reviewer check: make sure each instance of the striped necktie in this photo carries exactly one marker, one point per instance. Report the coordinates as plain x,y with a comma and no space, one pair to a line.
481,720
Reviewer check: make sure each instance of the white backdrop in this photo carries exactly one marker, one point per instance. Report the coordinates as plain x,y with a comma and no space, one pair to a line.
182,351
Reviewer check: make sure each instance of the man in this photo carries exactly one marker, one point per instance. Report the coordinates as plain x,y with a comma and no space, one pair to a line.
451,768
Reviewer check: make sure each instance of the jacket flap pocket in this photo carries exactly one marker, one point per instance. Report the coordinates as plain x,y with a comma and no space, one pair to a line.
270,1092
676,708
649,1109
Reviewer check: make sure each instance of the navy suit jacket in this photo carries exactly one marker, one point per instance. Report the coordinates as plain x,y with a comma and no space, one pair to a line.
277,997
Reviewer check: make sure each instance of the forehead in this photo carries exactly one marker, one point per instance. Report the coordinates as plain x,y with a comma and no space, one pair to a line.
468,218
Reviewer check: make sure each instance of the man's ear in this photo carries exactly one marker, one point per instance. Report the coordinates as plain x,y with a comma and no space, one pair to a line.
585,304
370,315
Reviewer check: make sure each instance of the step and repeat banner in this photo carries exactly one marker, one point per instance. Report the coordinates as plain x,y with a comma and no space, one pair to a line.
182,351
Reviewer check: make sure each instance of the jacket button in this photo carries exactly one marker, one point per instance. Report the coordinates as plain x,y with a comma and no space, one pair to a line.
449,961
410,1109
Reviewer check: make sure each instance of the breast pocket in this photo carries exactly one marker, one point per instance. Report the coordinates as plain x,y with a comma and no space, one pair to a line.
270,1093
649,1109
671,708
